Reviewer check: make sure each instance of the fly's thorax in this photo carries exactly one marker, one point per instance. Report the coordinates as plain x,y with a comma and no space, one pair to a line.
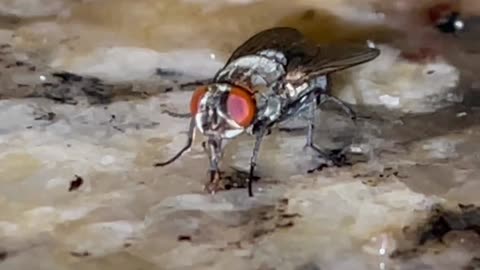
254,71
223,110
269,106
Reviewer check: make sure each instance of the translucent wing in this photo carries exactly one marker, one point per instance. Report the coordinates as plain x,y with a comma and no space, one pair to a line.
289,41
305,60
328,59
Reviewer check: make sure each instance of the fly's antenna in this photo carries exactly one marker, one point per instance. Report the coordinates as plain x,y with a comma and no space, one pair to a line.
187,146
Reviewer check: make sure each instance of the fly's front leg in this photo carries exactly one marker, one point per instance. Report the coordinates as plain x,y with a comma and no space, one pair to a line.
195,83
214,151
177,115
253,160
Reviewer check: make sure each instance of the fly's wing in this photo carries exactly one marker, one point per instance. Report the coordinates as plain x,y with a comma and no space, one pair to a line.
328,59
286,40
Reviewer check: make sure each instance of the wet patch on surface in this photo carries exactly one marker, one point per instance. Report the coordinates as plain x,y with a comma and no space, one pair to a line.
431,235
373,179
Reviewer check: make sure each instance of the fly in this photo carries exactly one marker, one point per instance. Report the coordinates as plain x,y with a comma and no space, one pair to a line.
270,78
446,18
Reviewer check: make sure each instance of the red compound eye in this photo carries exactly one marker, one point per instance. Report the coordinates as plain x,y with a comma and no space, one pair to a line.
241,106
196,98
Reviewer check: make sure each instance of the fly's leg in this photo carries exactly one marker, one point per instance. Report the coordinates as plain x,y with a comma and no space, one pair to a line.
253,159
195,83
342,105
214,151
187,146
310,143
177,115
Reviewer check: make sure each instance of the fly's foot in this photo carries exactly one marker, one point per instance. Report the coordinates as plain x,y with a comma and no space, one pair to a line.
327,157
335,158
231,180
215,183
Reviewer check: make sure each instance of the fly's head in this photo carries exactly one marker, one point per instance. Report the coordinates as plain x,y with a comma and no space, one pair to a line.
222,112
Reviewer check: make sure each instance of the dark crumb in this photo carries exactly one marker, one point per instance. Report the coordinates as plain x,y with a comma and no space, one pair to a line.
3,255
76,183
184,238
32,68
168,89
80,254
29,127
126,245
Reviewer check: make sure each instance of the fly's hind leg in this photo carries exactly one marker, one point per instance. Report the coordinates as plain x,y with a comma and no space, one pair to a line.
346,108
311,126
310,139
351,113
